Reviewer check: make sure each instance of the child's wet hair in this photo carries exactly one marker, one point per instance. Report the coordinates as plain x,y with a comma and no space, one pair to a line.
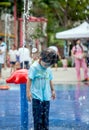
49,56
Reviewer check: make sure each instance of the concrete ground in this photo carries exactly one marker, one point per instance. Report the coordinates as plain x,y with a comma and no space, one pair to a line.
65,76
60,75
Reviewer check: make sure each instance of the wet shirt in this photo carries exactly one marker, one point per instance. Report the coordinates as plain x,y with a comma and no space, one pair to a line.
40,87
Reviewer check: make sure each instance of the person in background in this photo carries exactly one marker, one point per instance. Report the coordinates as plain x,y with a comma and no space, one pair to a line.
5,53
24,54
7,60
40,88
12,56
35,54
79,57
64,63
2,56
17,66
57,52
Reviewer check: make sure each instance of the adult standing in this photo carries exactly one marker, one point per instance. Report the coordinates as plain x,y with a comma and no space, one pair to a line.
2,55
12,55
79,57
24,54
5,46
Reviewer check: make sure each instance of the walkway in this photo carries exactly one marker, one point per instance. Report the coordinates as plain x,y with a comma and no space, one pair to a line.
65,76
60,76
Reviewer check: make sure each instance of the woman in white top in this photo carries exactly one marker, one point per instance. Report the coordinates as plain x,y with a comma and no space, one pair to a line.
2,55
24,54
12,56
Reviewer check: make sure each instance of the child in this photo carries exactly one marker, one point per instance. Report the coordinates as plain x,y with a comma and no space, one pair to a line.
34,57
64,63
35,54
17,66
40,88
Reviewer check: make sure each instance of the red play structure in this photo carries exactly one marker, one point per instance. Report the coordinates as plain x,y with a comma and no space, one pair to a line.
18,77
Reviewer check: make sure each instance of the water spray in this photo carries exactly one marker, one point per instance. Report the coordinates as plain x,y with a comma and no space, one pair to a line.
26,15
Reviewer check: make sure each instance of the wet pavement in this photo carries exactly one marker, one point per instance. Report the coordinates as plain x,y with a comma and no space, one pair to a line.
69,111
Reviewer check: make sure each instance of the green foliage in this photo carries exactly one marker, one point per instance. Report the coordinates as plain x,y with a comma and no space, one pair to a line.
69,63
62,10
5,4
38,33
60,64
61,14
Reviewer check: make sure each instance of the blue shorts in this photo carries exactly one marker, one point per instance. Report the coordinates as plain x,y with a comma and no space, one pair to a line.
12,62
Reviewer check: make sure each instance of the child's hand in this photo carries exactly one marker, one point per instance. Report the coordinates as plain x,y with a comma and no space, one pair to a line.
53,94
29,96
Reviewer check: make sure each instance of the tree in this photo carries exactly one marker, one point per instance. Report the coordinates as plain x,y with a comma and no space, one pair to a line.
61,14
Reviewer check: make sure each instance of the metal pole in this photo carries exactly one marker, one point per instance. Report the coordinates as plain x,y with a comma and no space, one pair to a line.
24,107
24,102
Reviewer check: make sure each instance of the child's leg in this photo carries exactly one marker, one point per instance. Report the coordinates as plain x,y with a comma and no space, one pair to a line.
45,116
12,66
27,64
37,114
65,67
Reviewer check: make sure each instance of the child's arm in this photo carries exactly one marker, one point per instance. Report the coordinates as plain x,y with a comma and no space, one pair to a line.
28,89
52,90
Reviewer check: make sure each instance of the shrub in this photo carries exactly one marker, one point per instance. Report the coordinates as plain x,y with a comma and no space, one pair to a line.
60,64
69,63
